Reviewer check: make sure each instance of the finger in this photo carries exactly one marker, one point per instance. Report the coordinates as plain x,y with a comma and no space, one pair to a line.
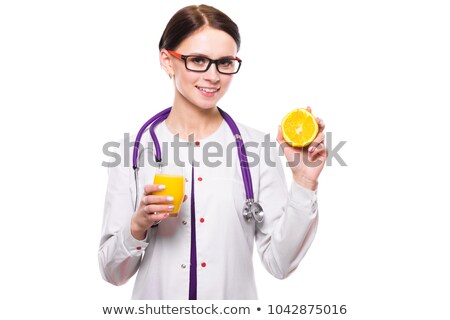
317,151
309,109
317,159
185,197
158,216
321,124
152,208
148,189
319,139
280,138
156,199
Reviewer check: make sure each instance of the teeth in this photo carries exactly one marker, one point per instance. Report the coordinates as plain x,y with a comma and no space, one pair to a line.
208,90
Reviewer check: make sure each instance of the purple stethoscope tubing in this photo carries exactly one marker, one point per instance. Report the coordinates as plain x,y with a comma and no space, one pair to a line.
241,154
158,116
251,207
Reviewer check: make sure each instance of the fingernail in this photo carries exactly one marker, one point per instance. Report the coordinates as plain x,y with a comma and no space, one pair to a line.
170,207
311,149
169,198
161,187
166,215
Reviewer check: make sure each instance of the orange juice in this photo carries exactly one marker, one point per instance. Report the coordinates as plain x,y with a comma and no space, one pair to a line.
174,187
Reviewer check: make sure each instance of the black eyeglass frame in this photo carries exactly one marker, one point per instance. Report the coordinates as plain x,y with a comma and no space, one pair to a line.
211,61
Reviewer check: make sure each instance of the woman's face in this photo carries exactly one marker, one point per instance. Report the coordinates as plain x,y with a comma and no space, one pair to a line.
190,86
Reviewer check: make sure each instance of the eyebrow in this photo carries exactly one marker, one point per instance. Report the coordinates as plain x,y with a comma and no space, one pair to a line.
204,55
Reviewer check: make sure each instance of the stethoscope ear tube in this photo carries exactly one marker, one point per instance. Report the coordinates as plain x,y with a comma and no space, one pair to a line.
137,142
252,209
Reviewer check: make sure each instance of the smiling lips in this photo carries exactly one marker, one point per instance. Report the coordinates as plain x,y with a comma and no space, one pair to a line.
208,91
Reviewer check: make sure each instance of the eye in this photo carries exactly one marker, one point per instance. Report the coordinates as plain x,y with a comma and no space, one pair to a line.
198,60
226,63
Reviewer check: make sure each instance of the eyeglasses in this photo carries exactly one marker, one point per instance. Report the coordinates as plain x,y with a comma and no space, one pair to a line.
202,64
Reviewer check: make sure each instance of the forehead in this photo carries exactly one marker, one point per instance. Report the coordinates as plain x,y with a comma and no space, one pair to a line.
210,42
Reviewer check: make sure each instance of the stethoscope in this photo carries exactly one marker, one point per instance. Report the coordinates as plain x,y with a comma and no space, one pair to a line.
251,207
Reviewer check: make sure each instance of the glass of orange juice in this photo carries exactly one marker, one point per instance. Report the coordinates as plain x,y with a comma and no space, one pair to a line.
172,177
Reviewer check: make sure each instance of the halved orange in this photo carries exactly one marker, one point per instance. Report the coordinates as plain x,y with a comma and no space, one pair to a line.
299,128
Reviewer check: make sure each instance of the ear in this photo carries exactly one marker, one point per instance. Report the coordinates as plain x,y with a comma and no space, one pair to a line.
166,62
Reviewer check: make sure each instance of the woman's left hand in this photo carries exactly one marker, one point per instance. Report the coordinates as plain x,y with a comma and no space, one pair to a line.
306,163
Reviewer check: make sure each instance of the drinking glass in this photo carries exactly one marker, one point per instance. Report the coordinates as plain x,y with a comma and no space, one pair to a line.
172,177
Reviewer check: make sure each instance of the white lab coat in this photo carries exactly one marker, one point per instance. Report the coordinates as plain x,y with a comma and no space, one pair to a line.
224,239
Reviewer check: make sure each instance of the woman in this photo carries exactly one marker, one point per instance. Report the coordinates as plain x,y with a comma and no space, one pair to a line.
206,252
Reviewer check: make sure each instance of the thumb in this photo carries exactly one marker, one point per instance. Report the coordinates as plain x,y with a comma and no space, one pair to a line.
280,138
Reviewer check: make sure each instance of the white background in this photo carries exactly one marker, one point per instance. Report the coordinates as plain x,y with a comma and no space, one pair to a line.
77,74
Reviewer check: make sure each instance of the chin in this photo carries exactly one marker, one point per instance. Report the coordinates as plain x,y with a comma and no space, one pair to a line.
205,105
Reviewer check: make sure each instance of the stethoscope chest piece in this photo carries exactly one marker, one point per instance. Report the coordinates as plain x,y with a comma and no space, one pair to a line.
253,209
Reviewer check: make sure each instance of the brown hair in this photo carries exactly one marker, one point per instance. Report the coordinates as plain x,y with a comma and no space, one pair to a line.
190,19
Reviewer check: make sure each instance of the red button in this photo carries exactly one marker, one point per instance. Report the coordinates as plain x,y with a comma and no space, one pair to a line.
203,264
138,248
202,220
200,179
197,143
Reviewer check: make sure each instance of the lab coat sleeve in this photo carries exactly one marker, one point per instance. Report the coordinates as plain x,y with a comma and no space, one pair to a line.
119,253
291,219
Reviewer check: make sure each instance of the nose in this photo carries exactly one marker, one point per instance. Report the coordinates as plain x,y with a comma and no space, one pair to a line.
212,74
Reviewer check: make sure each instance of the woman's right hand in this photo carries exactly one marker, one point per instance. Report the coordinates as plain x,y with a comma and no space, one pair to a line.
151,209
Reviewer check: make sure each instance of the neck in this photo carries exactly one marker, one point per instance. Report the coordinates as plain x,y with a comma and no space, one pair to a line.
188,119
